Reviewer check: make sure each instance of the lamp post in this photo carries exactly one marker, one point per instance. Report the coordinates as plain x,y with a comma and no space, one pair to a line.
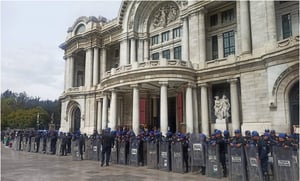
38,121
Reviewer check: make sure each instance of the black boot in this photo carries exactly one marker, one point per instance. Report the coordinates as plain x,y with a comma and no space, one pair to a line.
224,172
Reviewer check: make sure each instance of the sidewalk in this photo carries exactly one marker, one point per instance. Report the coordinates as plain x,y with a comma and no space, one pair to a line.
20,166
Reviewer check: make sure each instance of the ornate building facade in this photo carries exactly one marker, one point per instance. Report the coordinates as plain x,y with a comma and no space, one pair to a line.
189,66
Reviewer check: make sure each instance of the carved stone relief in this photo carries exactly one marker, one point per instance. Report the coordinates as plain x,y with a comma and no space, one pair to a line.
165,15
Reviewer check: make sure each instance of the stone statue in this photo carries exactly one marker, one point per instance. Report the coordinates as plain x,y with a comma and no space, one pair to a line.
222,107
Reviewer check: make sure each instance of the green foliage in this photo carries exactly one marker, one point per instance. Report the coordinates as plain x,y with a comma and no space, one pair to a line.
21,111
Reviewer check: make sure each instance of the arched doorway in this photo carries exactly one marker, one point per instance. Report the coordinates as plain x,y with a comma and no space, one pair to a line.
294,104
76,119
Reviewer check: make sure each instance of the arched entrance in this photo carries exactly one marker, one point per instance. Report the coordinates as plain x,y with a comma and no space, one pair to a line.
76,119
294,104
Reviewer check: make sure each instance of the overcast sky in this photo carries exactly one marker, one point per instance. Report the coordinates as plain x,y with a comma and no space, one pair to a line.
31,32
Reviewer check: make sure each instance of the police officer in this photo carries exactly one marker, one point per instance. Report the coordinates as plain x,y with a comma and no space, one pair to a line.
81,144
237,140
222,151
107,144
64,144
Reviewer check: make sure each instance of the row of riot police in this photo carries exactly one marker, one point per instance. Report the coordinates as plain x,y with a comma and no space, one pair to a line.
269,156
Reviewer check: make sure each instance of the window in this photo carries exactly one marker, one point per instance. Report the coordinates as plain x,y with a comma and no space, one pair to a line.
154,40
177,53
176,32
155,56
286,26
214,20
166,54
214,47
117,53
228,16
80,29
228,43
165,36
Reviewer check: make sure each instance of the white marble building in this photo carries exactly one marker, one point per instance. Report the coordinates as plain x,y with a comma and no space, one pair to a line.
163,64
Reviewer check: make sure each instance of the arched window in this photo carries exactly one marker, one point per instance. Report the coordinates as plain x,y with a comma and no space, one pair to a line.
80,29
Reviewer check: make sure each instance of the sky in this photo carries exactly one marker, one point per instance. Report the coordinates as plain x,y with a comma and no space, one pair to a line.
31,32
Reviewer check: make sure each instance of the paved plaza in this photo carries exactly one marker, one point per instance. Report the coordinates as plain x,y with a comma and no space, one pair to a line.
26,166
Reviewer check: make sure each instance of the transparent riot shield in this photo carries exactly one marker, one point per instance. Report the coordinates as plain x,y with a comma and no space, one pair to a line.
164,156
33,145
48,145
58,147
122,153
134,152
17,143
213,166
198,148
144,153
95,147
253,164
22,144
177,158
283,164
295,163
152,155
41,148
89,149
75,150
28,145
114,153
237,164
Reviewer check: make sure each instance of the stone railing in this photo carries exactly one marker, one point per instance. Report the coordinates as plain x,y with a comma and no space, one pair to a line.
148,64
288,41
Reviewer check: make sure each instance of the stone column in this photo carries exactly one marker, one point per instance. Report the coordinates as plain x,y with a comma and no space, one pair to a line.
104,112
88,67
204,109
96,67
99,116
185,40
102,63
271,21
113,110
220,47
135,109
234,104
202,37
245,27
189,109
124,53
163,107
66,85
146,50
71,72
195,104
132,51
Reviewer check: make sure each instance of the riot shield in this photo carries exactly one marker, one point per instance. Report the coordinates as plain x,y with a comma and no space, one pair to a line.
114,152
48,145
164,156
58,147
28,144
253,164
22,144
295,163
122,153
152,155
237,164
283,164
144,153
177,157
134,152
197,153
213,166
41,148
95,149
89,149
75,150
17,143
33,145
